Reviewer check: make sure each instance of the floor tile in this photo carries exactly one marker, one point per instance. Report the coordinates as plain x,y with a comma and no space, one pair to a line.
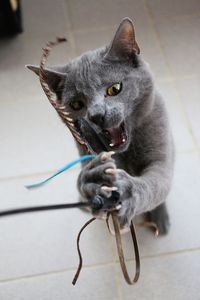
189,90
44,17
172,277
173,8
88,14
25,49
44,242
182,135
34,138
94,283
181,43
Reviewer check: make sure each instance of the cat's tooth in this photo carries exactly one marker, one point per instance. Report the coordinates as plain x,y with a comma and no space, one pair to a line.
111,145
123,140
109,189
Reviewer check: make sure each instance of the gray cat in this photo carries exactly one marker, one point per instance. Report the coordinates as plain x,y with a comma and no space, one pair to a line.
113,89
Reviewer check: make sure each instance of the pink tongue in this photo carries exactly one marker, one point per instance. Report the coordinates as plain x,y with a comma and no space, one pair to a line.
115,135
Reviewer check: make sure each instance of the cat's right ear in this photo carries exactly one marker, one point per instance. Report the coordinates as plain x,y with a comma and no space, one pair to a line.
124,45
54,78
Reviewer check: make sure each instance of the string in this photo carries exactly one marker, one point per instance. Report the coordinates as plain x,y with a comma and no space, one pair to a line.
61,170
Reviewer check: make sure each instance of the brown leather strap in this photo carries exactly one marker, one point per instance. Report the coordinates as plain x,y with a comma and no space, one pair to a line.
79,252
119,249
121,253
51,96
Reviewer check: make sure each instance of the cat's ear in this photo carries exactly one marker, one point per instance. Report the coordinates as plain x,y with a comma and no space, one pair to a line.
124,45
55,78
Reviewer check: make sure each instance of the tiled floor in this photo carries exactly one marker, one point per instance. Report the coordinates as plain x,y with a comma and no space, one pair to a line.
38,252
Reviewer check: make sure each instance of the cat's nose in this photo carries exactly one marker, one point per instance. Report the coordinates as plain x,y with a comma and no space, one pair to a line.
96,117
96,114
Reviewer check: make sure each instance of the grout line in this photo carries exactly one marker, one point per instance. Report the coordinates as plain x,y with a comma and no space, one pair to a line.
157,36
187,120
75,168
39,174
71,31
171,253
68,33
93,29
174,78
162,48
100,265
178,17
51,273
188,151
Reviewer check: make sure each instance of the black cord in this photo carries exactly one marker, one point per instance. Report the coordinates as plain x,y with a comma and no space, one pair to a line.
17,211
97,203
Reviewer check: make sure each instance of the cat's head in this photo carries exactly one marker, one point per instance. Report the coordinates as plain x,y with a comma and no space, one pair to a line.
109,87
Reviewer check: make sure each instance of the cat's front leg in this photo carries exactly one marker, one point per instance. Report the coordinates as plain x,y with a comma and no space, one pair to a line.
143,193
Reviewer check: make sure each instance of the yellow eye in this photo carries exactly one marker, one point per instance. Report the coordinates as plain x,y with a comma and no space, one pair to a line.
114,89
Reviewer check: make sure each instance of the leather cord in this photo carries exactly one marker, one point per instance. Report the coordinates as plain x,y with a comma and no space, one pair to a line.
121,252
79,251
119,249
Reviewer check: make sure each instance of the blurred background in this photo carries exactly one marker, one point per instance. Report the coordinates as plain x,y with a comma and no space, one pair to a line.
38,252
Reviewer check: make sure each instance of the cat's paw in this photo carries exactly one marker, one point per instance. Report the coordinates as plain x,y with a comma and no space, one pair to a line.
160,216
98,177
129,196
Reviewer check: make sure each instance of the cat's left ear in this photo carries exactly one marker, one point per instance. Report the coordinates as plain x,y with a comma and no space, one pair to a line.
55,78
124,45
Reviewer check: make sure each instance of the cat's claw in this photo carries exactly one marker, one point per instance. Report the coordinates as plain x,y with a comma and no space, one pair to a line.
107,155
109,188
118,207
111,171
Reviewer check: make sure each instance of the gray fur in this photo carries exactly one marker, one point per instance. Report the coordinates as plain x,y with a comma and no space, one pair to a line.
145,163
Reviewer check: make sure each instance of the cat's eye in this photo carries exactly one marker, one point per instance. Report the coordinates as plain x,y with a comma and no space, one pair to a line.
77,104
114,89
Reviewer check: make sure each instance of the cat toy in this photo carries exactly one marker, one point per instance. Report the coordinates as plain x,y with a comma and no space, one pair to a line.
82,133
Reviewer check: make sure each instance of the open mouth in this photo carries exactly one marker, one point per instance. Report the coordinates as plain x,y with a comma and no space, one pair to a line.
110,138
116,136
